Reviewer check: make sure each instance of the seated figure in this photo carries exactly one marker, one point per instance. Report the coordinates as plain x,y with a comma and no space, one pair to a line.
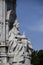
18,50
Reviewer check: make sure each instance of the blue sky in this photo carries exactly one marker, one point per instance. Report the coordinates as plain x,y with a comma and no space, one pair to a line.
30,17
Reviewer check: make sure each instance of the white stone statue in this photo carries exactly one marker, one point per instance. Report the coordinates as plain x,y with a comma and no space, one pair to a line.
14,47
18,47
14,44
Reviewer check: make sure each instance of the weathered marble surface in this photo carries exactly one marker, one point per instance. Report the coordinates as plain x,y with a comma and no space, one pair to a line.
18,47
15,49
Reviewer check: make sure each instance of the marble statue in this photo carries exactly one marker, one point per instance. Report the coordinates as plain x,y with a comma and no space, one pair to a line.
18,46
15,48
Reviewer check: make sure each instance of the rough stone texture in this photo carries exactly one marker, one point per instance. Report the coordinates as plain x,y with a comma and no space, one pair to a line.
15,49
19,47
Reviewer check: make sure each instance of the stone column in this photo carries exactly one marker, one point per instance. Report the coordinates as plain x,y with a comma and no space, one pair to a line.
3,56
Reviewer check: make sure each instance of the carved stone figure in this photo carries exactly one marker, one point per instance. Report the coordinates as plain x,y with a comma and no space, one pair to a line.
15,49
19,48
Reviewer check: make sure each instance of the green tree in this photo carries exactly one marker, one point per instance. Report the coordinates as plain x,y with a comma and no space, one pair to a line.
37,57
40,57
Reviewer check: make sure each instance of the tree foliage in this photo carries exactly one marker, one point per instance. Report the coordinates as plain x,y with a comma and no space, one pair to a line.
37,57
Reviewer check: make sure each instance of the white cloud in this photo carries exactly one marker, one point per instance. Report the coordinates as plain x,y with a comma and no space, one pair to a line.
37,27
